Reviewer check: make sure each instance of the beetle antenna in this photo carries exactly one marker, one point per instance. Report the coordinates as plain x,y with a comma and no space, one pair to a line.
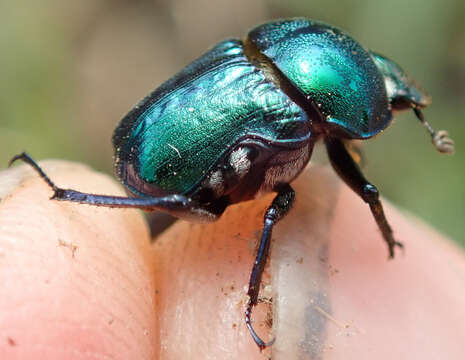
441,140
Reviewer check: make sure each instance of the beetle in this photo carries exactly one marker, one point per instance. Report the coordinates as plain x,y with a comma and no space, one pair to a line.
242,120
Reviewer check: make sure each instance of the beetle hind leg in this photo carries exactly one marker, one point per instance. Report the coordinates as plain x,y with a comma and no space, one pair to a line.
176,204
349,171
280,206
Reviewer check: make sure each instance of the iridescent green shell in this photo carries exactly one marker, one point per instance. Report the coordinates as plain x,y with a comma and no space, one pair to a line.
330,69
170,141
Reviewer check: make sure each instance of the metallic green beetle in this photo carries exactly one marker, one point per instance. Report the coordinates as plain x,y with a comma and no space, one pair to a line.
243,119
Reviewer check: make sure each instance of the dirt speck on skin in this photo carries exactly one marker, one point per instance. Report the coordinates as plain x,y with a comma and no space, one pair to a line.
265,300
333,270
269,320
68,245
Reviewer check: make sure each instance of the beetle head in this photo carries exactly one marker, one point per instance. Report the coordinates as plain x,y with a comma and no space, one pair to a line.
403,92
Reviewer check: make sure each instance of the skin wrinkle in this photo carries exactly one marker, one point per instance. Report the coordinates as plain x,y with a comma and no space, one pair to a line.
64,324
108,269
128,305
119,270
52,349
69,324
316,335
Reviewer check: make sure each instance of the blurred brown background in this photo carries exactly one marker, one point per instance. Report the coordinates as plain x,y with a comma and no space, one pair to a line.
70,70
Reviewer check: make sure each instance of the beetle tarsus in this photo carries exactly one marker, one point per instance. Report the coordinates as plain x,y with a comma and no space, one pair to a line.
392,244
58,193
260,343
24,156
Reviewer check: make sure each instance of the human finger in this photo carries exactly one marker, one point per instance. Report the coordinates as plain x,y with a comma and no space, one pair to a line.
332,281
76,281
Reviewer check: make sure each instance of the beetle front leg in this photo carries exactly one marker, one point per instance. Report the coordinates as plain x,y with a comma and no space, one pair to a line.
280,206
349,171
174,204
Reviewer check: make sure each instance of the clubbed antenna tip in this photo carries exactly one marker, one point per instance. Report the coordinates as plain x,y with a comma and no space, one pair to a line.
441,140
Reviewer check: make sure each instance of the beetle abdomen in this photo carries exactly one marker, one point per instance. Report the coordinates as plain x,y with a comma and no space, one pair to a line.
168,143
330,69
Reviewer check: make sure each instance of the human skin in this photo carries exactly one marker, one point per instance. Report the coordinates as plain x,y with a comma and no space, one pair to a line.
81,282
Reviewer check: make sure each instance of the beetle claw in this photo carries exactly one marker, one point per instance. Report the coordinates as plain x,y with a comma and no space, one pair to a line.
393,245
443,143
260,343
24,156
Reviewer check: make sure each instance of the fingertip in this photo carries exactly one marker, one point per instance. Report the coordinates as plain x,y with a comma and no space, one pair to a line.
84,274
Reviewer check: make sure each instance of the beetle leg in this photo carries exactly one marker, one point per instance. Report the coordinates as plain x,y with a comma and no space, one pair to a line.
354,148
280,206
349,171
173,204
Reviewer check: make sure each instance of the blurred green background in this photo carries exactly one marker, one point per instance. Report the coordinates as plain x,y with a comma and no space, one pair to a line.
70,70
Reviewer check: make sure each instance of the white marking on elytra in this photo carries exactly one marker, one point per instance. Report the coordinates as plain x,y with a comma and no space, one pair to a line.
175,149
240,162
216,182
390,86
